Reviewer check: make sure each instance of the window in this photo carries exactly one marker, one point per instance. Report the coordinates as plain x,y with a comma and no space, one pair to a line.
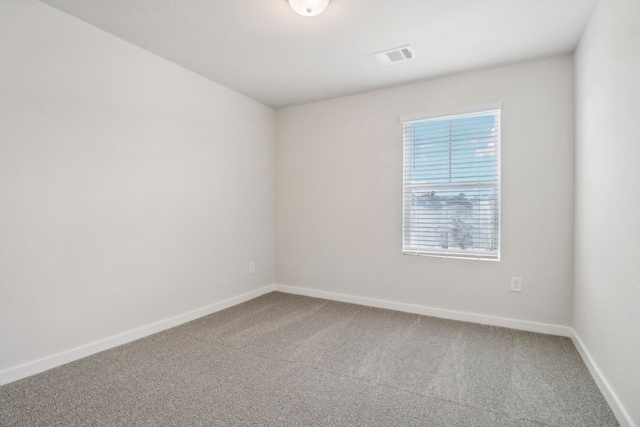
451,183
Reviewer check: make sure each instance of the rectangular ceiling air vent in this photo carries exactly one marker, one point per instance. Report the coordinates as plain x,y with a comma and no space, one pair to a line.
399,54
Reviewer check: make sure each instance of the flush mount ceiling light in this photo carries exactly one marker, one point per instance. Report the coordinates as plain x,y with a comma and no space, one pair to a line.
308,7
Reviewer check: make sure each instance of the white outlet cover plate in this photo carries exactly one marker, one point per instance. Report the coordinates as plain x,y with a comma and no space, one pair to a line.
516,284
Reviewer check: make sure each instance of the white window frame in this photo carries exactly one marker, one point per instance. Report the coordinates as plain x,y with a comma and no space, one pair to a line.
408,187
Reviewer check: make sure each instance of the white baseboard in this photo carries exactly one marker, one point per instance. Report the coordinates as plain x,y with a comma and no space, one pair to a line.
31,368
49,362
605,388
524,325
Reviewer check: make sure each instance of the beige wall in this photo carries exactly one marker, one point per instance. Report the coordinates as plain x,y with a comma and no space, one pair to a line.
607,259
131,190
338,196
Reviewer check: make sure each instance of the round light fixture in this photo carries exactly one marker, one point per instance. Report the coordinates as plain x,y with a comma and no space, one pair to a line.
308,7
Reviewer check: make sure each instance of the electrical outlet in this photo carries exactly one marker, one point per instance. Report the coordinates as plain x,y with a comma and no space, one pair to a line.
516,284
252,267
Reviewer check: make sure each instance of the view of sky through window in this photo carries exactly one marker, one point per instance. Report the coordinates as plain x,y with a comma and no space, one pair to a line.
456,149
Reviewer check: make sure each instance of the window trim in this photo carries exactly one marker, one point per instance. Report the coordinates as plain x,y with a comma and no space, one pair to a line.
450,113
460,111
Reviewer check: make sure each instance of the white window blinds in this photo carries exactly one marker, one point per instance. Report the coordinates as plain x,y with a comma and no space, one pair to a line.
451,184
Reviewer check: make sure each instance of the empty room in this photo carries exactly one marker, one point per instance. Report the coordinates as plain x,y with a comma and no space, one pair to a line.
320,213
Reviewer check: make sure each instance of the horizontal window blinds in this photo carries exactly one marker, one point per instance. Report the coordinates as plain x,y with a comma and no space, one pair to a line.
451,185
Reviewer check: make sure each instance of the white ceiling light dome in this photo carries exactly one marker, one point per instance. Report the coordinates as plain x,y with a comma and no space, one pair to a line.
308,7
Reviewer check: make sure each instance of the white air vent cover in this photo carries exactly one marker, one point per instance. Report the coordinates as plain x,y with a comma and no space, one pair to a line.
399,54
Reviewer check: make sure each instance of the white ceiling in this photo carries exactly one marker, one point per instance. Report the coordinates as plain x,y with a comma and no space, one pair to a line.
262,49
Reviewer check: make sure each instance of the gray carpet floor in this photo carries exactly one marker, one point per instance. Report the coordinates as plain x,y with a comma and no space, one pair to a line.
286,360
